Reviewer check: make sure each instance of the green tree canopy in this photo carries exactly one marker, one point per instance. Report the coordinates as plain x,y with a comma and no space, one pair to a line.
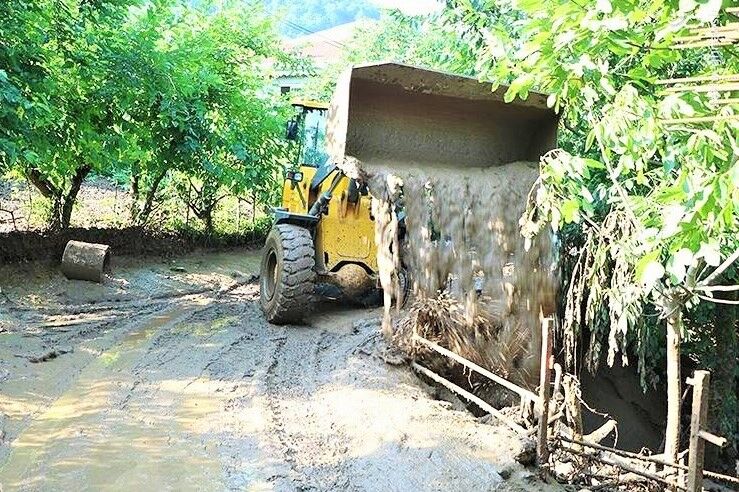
144,87
648,170
197,97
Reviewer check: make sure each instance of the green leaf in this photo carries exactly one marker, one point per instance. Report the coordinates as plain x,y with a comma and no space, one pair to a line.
649,270
687,5
710,254
708,11
678,264
593,164
603,6
570,210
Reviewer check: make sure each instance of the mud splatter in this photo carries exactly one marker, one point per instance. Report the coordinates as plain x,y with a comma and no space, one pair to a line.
462,239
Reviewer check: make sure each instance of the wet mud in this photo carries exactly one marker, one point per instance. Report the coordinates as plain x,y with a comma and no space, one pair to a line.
463,241
168,378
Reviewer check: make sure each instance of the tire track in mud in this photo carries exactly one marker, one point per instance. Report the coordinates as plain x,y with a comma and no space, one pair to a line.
147,363
313,443
289,381
174,341
205,394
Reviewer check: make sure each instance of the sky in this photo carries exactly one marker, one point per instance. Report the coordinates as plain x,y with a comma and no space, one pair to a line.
411,7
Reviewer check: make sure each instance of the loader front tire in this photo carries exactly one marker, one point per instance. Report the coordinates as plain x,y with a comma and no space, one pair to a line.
287,276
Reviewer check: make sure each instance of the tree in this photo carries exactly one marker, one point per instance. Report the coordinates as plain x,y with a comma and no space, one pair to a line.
57,111
201,104
99,87
651,193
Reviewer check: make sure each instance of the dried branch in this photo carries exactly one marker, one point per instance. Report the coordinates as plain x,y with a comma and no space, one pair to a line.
718,300
720,269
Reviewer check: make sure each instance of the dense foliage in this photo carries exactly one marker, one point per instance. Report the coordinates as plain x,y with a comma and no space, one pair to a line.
158,91
648,196
307,16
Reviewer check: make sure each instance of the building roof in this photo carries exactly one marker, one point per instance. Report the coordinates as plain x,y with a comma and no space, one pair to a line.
324,46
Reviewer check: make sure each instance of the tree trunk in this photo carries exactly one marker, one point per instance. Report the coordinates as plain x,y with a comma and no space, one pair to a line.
674,382
208,219
71,197
55,216
253,207
50,192
42,184
143,216
61,204
134,212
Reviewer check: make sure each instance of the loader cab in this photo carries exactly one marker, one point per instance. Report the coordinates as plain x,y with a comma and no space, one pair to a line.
308,129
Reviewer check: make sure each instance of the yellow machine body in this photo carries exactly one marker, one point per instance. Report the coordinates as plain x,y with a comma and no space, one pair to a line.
346,233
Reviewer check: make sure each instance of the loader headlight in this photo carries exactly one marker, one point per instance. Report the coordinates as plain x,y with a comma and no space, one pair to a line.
296,176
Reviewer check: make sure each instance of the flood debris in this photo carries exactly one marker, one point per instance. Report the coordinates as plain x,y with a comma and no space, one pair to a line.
86,261
479,286
46,356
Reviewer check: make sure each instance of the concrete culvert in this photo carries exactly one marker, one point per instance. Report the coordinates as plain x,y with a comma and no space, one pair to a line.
86,261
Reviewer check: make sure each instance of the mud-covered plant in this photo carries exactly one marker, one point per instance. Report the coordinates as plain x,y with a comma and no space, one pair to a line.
655,195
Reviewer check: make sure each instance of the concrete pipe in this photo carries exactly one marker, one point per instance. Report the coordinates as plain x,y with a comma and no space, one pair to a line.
86,261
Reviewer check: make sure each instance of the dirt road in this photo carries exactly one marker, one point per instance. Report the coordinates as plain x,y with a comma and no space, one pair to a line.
168,378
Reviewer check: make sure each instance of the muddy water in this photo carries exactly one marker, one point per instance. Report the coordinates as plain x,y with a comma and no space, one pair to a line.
115,445
463,238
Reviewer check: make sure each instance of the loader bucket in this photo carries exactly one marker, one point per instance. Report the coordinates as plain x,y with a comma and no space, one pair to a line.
457,163
396,113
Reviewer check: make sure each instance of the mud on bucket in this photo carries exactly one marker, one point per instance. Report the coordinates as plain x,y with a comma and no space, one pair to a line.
86,261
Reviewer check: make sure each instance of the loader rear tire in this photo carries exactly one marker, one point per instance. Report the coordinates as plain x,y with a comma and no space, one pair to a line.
287,279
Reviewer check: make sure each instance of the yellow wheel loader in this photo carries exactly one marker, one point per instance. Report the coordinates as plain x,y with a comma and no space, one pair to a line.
323,232
401,115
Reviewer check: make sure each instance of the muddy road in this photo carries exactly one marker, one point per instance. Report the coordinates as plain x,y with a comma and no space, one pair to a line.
167,377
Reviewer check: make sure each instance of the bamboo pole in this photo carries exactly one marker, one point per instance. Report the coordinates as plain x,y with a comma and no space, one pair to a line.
731,27
721,477
728,87
726,35
700,119
706,78
703,44
469,396
698,420
621,452
628,468
542,450
524,393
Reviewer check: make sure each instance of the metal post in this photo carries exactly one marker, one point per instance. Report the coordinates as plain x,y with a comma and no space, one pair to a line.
542,449
698,420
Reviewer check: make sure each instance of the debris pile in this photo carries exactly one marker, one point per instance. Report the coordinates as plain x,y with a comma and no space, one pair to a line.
479,288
